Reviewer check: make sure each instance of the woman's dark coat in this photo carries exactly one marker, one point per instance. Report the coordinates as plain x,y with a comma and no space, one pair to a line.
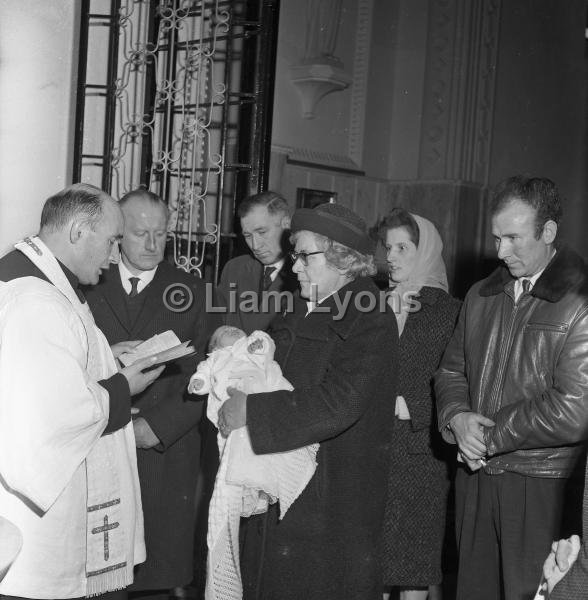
418,481
343,369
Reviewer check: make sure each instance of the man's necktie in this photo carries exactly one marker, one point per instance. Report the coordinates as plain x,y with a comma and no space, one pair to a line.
267,278
526,286
134,282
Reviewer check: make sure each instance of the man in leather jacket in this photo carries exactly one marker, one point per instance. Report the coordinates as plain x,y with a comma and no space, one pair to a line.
512,393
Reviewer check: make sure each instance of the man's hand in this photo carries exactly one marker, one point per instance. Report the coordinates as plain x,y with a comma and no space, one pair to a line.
144,436
562,556
139,380
467,427
473,465
233,413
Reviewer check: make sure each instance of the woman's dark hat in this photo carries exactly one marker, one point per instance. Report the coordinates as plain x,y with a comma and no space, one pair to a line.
337,223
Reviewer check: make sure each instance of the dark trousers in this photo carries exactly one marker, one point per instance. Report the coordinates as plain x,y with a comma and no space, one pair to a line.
150,595
504,527
119,595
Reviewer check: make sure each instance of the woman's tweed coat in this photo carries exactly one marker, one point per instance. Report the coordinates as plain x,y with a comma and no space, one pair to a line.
344,375
418,482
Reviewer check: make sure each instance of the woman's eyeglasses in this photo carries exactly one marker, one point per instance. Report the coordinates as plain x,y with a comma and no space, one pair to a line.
303,256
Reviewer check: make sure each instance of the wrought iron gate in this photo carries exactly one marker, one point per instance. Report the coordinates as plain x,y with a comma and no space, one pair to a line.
176,95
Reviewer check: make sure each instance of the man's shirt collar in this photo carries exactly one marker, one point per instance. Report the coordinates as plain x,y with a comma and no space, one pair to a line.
277,266
145,277
518,286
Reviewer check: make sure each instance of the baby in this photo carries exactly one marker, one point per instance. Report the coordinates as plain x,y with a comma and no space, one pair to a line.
246,483
236,360
223,337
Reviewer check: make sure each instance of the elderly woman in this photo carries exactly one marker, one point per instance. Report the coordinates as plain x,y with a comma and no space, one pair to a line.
338,349
414,523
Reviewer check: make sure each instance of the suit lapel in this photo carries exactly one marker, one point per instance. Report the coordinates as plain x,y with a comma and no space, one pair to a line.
285,279
256,276
277,283
115,296
153,302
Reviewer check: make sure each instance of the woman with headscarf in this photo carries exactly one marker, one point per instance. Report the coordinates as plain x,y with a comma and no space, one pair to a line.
414,523
338,350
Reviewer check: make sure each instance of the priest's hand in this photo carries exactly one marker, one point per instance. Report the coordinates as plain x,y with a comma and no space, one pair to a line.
233,413
145,438
124,347
139,379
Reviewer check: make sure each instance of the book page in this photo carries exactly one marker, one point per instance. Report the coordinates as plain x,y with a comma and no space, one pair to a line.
159,343
173,353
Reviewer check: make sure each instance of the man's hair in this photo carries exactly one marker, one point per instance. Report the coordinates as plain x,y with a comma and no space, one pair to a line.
538,192
398,217
275,204
145,195
80,200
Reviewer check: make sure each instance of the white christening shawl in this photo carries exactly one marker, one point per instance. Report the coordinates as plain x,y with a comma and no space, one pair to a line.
246,482
73,493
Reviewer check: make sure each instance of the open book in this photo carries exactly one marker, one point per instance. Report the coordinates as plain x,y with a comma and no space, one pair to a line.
164,346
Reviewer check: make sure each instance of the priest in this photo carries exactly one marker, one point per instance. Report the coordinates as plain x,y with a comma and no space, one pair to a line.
68,473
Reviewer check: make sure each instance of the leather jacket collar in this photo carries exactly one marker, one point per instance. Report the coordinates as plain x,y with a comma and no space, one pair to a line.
565,270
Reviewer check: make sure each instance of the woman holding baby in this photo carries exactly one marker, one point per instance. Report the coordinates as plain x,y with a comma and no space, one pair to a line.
338,349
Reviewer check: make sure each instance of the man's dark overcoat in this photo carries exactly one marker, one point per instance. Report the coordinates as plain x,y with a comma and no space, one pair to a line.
168,472
241,277
344,377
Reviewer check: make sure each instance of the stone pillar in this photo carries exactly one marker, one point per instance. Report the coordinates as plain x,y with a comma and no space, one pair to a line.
458,99
452,175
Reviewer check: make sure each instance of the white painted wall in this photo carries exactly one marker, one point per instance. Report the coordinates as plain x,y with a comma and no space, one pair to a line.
328,132
38,65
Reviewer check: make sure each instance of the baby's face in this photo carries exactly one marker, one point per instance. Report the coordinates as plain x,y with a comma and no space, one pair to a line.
226,338
195,385
255,346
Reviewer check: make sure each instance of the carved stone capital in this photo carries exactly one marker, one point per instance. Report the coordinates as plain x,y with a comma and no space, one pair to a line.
314,80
